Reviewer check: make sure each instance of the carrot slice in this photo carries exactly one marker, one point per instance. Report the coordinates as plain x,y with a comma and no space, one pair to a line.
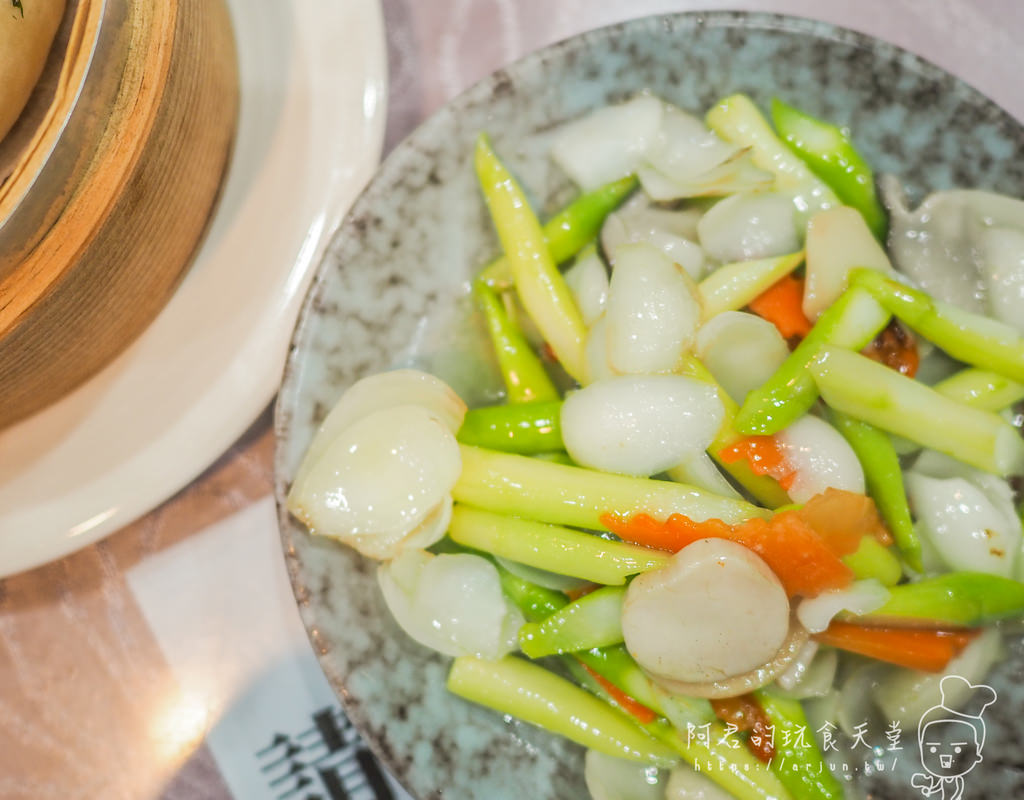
842,518
627,703
799,557
914,648
782,305
764,456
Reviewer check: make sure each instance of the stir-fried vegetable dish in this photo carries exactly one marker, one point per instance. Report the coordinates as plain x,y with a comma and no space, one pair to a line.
758,443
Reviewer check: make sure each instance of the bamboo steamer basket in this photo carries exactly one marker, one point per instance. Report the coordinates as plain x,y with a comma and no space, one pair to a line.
112,181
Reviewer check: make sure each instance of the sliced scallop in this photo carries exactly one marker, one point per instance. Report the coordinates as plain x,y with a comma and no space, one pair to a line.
640,424
716,611
379,480
384,390
652,312
820,457
749,225
740,350
452,603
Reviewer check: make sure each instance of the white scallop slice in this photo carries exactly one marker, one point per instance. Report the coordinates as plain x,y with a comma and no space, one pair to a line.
638,216
452,603
820,457
611,778
740,350
749,225
838,239
966,515
1002,257
684,783
384,390
685,147
715,611
672,232
588,281
640,425
861,597
652,312
379,480
609,143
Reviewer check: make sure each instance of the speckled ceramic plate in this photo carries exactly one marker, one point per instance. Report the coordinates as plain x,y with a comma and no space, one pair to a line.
392,291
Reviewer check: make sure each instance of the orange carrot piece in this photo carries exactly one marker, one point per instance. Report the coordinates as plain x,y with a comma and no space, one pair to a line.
792,549
914,648
782,305
764,456
842,518
642,713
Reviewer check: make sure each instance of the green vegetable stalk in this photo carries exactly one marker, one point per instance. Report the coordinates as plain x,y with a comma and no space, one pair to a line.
535,695
736,119
594,620
563,495
798,763
732,286
980,388
551,547
884,480
827,150
864,389
707,749
541,287
852,321
763,488
570,229
526,380
526,428
617,666
967,599
968,337
536,602
872,559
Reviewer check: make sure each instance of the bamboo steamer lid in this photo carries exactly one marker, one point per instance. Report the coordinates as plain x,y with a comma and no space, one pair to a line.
108,183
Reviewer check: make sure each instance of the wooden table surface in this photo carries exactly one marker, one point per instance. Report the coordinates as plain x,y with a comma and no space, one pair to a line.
90,706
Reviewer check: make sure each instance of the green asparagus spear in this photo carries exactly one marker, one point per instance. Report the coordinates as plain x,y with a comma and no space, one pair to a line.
511,484
980,388
526,380
551,547
873,393
972,338
594,620
763,488
617,666
736,119
852,321
732,286
798,762
827,150
570,229
526,428
872,559
541,287
884,480
535,695
968,599
536,602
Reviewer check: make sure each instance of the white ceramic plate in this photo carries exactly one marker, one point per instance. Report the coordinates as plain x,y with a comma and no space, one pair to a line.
313,76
